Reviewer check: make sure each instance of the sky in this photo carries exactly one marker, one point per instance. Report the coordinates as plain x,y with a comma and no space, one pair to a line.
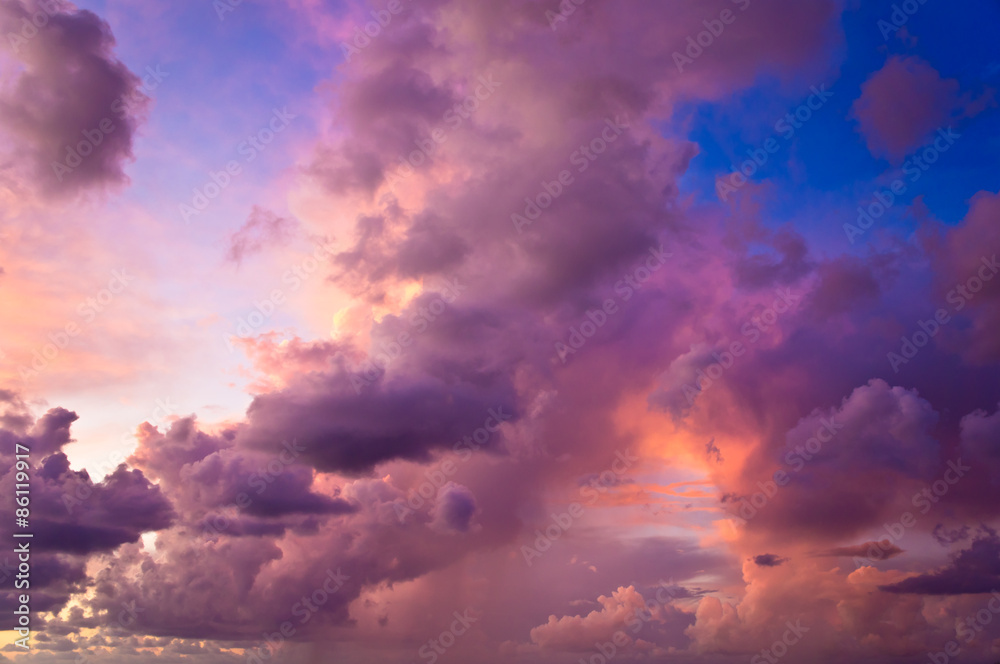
511,332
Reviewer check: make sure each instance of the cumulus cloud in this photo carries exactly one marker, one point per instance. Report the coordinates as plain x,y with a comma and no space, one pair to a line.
903,104
254,514
68,84
966,271
71,515
619,612
880,432
454,509
218,475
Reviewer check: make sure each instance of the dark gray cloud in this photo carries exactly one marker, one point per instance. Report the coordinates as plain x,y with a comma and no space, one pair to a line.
972,571
769,560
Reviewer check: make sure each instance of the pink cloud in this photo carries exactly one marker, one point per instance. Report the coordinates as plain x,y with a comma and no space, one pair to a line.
902,104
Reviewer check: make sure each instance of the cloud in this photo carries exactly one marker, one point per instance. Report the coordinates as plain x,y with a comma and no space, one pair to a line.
869,550
965,268
881,433
454,509
81,517
946,537
70,93
769,560
973,570
351,431
255,525
219,475
71,516
579,633
903,104
263,228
